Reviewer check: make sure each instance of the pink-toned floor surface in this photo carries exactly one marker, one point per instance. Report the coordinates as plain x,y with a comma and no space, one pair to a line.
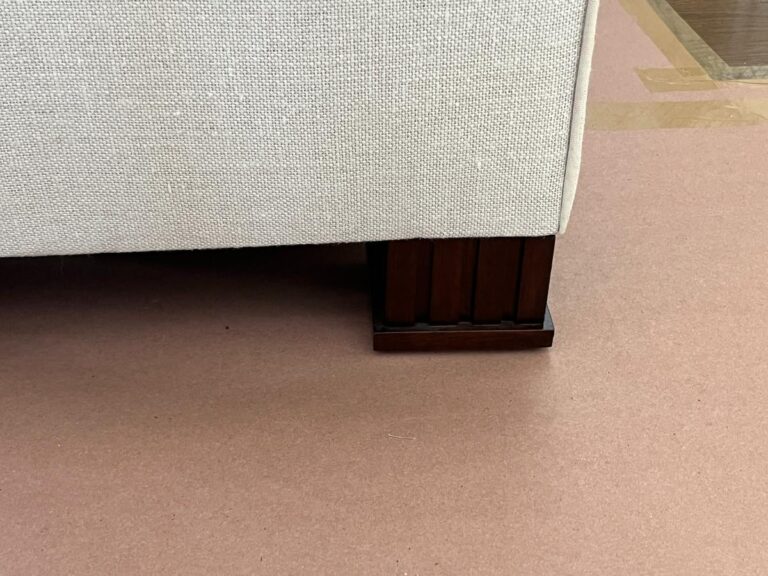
223,413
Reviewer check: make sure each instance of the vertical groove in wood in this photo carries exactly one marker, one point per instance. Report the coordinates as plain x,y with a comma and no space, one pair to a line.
453,266
406,261
498,263
535,271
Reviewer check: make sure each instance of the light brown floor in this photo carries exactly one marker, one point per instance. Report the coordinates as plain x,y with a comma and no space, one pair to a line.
223,414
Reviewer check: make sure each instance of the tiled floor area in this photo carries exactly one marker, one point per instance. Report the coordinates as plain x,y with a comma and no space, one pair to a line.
223,414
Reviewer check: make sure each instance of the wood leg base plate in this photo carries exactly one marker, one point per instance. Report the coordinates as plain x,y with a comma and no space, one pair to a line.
429,338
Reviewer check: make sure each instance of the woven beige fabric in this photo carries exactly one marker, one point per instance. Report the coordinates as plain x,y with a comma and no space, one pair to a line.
579,114
172,124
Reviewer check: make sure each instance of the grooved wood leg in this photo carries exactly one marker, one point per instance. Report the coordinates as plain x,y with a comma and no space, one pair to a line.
459,294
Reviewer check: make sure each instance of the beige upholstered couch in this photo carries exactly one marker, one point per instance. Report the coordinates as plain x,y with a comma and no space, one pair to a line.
178,124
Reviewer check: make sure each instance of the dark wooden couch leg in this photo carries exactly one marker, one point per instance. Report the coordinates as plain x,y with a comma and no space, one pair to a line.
461,294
